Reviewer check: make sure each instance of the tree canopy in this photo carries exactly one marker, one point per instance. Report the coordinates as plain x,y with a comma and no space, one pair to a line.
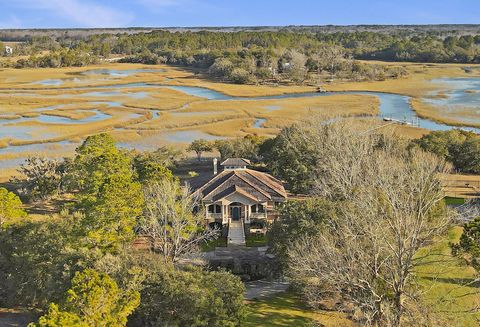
11,208
94,299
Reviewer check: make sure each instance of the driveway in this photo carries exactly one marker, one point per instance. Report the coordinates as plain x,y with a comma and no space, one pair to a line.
259,289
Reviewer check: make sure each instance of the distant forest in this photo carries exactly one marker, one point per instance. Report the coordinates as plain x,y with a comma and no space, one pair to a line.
263,54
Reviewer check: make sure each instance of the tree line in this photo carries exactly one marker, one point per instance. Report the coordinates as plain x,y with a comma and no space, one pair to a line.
260,56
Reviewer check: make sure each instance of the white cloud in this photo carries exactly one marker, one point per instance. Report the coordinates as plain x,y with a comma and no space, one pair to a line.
81,12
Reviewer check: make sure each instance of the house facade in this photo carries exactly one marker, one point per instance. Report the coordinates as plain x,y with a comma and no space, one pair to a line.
239,194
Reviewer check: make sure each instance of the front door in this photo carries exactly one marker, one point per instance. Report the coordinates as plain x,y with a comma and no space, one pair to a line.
235,213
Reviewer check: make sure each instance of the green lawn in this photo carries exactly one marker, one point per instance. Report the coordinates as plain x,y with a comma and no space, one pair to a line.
454,201
286,309
253,240
211,245
445,280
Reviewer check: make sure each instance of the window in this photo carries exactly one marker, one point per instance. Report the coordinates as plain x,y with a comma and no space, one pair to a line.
258,208
214,208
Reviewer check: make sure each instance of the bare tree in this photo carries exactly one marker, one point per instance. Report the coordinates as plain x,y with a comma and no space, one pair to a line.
390,204
329,57
295,65
41,178
169,221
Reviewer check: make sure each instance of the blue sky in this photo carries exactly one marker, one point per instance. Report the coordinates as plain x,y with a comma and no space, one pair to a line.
161,13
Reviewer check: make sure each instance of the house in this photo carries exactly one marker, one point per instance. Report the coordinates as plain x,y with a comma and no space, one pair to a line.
8,50
240,195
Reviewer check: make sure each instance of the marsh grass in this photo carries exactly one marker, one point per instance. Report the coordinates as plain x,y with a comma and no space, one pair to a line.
460,116
19,97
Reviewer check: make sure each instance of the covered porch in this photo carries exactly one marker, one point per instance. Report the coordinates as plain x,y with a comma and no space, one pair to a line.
226,211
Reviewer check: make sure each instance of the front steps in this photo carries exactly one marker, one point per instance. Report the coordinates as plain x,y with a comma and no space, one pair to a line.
236,234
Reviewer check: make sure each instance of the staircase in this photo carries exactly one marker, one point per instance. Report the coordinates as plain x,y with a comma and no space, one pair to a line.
236,234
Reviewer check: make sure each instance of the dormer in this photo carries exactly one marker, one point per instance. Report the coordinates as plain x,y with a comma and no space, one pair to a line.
235,163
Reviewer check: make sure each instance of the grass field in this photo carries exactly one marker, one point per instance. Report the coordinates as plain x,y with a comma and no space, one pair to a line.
449,285
287,309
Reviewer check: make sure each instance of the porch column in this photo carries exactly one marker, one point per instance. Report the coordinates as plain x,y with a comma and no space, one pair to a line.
247,213
224,214
265,208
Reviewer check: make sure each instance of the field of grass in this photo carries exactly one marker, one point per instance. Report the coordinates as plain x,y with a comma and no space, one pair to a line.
449,284
287,309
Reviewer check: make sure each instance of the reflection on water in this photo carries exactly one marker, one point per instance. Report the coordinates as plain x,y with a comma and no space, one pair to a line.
273,108
259,123
121,72
461,93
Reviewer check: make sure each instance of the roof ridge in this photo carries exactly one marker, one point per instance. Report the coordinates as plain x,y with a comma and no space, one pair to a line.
252,185
211,181
268,184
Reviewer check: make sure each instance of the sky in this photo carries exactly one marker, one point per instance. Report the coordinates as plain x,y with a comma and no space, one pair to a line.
170,13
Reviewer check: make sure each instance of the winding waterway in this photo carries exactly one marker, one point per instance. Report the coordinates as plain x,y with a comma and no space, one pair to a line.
462,92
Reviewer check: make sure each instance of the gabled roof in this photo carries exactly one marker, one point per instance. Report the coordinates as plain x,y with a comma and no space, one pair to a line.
258,185
232,190
238,162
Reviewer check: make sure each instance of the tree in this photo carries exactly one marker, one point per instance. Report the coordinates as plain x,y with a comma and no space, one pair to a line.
169,221
150,168
93,300
39,258
221,67
225,148
462,148
389,203
11,208
292,158
298,219
247,147
467,155
191,298
295,65
110,221
200,146
469,244
96,160
42,177
330,57
239,76
55,317
109,195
